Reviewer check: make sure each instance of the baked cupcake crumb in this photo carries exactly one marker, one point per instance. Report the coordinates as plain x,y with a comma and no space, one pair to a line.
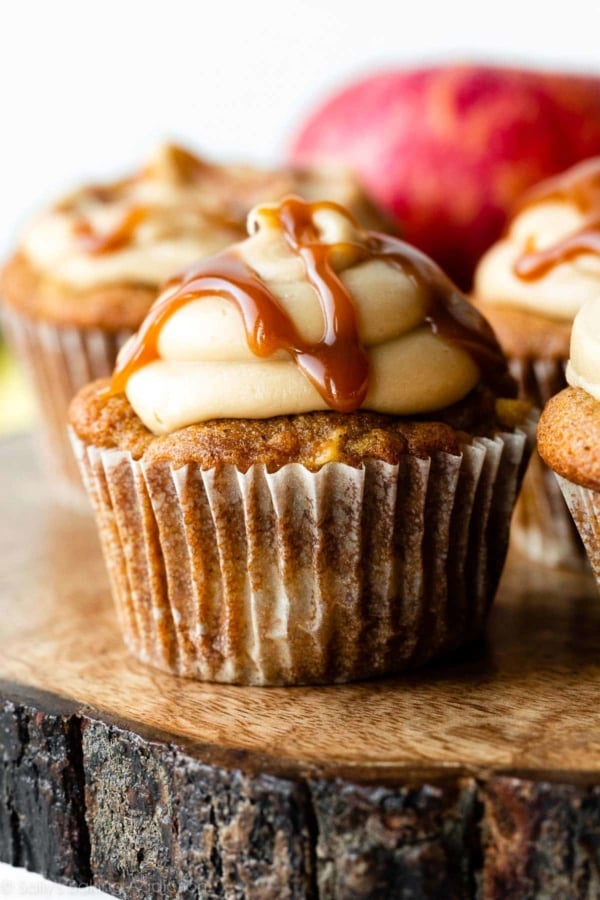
312,439
569,437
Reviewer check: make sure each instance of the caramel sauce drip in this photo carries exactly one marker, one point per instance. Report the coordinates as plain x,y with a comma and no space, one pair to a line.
580,186
337,365
179,167
447,311
115,239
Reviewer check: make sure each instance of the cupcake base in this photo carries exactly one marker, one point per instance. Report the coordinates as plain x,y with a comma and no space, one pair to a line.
297,577
58,360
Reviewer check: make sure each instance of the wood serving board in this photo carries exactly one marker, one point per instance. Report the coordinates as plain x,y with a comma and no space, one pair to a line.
479,777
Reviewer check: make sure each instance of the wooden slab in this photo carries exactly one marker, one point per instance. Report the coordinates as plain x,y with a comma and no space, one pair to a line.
481,774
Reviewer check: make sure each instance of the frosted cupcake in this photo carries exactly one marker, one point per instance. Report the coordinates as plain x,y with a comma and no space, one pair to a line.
302,470
530,285
569,440
87,271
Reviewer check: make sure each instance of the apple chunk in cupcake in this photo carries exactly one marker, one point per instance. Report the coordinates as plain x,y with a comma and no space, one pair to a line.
306,461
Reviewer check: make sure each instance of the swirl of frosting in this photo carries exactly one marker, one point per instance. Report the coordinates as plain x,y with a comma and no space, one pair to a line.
549,260
308,313
178,209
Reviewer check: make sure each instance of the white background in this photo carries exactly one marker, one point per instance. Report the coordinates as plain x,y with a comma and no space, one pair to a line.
87,88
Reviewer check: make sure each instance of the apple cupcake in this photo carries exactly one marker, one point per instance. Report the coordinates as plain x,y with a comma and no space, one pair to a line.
569,441
530,285
304,466
87,271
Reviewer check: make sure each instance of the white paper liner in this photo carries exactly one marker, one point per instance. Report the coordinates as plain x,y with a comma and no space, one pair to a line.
542,527
58,361
584,506
298,577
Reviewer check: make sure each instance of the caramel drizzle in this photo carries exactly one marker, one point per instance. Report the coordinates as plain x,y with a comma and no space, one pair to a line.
448,313
268,327
118,237
337,365
183,168
581,186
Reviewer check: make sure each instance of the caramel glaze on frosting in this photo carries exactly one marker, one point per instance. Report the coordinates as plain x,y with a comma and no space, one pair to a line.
548,262
316,246
177,209
581,187
98,257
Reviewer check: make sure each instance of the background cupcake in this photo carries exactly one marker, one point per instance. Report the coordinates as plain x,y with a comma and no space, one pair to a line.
87,271
309,477
530,285
569,431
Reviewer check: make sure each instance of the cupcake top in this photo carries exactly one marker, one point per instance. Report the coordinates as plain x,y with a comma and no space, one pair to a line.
569,430
309,313
548,262
138,231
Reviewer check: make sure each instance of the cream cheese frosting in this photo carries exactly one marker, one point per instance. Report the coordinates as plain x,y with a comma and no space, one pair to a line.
205,368
583,368
188,209
561,290
549,261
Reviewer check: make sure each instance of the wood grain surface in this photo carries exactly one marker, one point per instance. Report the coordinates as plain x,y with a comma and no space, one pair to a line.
479,776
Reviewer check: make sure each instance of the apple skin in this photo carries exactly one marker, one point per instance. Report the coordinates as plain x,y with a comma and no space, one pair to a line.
448,151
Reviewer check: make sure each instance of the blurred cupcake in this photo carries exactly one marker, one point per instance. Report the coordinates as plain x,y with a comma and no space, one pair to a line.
569,437
530,285
87,271
302,470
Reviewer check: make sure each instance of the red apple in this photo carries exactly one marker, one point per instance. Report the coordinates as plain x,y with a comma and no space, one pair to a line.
447,151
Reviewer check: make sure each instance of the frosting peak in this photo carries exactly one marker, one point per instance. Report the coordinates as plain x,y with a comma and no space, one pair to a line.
310,312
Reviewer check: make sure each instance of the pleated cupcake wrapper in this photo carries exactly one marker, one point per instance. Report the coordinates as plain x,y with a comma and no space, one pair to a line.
542,526
297,577
584,506
58,361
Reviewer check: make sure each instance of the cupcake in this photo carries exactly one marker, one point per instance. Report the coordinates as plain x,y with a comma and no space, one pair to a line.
87,271
569,434
530,285
305,464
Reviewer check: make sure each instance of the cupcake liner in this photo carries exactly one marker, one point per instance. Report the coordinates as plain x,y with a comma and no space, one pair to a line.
295,576
542,527
58,361
538,378
584,506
